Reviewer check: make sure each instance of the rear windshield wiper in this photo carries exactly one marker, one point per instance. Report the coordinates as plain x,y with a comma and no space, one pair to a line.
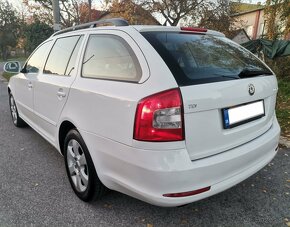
226,76
231,77
253,72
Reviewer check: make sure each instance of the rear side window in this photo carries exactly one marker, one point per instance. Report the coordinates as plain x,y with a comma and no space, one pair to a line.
197,58
64,50
110,57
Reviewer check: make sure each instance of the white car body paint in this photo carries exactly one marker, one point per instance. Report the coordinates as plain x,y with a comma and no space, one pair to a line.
103,111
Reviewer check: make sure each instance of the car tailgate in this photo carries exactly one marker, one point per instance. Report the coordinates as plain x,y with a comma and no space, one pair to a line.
205,132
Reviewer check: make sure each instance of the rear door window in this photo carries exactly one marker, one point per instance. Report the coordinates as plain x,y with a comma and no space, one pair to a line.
62,56
198,58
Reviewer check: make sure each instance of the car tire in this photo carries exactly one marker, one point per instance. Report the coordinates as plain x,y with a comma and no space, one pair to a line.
17,121
80,168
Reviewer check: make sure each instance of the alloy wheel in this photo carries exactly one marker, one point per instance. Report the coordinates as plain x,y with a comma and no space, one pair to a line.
77,165
13,110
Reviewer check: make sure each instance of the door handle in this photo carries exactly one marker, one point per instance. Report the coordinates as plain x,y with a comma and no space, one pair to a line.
61,94
30,85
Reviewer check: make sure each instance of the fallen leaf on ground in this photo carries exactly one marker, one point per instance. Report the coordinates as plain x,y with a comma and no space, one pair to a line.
149,225
183,222
108,205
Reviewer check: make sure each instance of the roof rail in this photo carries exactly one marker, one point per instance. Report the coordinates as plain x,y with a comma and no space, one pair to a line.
113,21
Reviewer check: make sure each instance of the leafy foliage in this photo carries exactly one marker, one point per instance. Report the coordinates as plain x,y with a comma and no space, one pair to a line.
277,10
87,14
281,67
35,34
218,16
283,106
173,11
70,10
9,27
130,11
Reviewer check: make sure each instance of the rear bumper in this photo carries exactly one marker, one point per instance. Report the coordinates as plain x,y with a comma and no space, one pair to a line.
148,174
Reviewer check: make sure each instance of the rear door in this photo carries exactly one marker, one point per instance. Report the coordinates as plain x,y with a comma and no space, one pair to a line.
52,86
228,94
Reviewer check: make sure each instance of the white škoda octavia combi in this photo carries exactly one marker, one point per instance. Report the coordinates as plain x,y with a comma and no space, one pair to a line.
167,115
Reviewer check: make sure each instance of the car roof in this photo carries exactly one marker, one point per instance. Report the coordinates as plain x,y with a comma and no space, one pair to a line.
156,28
121,24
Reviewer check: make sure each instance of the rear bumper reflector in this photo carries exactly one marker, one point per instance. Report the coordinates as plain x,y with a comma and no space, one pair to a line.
190,193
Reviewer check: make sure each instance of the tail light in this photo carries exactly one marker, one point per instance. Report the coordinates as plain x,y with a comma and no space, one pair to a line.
159,117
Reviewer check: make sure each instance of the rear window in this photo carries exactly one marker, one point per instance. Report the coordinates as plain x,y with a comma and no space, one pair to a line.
197,59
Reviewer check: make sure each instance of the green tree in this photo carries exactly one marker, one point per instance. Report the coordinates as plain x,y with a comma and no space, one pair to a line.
218,16
69,10
173,11
277,15
9,28
35,33
131,11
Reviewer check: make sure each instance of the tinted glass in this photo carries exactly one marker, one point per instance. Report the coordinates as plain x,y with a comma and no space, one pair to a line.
36,61
195,59
110,57
72,61
60,54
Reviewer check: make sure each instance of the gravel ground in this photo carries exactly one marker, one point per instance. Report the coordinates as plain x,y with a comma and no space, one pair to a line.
34,190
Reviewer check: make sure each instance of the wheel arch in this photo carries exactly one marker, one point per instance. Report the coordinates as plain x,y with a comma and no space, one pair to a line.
64,128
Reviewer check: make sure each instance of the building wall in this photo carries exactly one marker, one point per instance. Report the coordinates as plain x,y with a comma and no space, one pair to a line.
252,22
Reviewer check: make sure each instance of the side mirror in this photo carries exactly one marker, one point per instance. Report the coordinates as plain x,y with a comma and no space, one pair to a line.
12,67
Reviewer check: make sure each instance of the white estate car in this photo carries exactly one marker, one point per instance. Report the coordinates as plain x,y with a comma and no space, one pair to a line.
167,115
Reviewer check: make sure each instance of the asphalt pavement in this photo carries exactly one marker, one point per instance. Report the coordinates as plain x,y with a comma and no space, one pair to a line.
1,67
34,190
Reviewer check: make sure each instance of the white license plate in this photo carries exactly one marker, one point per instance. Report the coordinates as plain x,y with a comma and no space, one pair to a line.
234,116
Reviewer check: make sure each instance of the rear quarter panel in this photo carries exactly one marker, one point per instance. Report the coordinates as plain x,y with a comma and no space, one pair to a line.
107,108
